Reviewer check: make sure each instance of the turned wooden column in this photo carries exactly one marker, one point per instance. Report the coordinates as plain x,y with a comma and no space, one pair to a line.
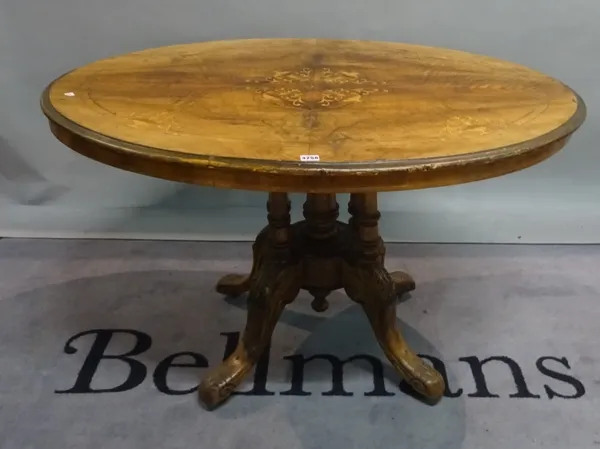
321,271
278,216
364,220
321,212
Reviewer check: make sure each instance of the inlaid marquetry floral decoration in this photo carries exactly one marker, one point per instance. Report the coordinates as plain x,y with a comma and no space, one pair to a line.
308,88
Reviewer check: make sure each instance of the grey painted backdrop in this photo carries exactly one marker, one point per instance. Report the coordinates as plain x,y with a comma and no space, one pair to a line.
47,190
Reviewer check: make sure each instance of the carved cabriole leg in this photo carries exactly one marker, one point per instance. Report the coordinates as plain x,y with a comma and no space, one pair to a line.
275,282
368,283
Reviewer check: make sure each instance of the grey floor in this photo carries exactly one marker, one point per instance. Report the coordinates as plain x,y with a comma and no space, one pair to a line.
102,344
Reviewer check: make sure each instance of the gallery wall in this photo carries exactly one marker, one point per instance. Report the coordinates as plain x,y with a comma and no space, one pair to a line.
46,190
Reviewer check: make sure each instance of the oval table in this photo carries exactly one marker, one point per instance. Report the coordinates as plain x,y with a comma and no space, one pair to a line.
319,117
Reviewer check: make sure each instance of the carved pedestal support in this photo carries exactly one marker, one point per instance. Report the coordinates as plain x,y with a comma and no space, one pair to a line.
318,254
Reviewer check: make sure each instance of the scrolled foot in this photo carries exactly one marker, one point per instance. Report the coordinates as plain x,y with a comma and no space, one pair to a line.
222,381
403,282
233,284
375,290
274,285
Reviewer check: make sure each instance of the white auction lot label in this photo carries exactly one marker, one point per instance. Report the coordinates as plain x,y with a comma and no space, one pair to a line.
309,157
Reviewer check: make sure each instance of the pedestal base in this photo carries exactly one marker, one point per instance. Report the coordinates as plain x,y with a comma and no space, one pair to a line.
320,255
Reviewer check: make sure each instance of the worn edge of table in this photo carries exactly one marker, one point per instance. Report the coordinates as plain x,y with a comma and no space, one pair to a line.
317,177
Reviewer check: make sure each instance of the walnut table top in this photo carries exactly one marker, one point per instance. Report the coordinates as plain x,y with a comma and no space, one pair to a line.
312,115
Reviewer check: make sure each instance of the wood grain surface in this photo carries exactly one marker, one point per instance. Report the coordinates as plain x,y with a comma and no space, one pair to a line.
379,115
